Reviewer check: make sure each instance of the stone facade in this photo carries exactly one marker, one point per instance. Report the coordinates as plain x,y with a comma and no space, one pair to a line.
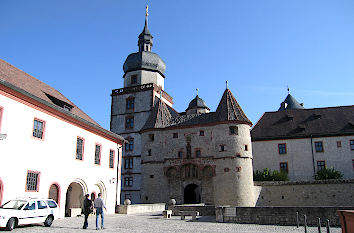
221,176
131,106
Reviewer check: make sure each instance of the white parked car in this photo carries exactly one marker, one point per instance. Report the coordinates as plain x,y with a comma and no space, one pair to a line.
24,211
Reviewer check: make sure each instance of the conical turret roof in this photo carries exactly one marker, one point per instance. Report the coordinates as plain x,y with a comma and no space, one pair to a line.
197,103
290,103
229,110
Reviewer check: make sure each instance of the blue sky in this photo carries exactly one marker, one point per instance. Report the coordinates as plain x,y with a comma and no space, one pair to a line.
259,46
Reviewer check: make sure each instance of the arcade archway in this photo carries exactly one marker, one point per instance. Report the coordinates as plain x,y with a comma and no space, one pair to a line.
75,196
191,194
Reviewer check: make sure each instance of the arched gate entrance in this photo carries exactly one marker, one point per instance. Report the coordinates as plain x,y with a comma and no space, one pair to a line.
191,194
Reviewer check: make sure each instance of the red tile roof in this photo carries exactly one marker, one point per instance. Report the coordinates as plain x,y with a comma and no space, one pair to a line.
28,83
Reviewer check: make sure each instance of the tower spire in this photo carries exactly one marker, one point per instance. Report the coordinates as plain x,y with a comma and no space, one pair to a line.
145,38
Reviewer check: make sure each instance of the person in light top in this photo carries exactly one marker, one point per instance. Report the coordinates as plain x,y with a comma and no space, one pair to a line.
99,205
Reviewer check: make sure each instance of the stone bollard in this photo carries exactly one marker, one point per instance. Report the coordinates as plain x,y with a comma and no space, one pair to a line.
171,204
127,202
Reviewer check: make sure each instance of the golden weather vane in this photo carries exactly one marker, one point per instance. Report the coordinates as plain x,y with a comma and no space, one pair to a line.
147,10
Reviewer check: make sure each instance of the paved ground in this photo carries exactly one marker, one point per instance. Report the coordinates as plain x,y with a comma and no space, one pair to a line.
153,222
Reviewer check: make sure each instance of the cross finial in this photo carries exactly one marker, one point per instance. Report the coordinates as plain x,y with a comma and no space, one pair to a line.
147,10
197,90
227,85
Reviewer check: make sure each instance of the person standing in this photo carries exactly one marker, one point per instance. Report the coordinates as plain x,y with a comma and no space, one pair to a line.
87,209
99,205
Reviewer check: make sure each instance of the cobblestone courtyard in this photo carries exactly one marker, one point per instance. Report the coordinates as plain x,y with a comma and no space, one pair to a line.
153,222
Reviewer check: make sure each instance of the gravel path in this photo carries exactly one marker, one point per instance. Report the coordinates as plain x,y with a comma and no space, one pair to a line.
154,222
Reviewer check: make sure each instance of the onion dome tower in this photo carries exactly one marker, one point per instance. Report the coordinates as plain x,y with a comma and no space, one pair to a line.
144,66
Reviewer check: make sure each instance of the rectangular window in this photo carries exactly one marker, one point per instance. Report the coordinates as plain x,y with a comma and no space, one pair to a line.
198,153
38,129
233,130
130,103
32,183
129,122
175,135
128,163
284,167
129,146
79,148
339,144
127,196
151,137
201,133
246,147
128,181
98,154
352,144
180,154
282,148
149,152
222,147
133,79
321,165
319,146
111,158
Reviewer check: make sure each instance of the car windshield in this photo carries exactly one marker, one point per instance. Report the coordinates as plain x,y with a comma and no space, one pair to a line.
14,204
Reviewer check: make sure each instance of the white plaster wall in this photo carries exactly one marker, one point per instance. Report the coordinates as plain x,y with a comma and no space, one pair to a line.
299,156
53,157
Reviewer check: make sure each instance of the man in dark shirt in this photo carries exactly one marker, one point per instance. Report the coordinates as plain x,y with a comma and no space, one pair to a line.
87,209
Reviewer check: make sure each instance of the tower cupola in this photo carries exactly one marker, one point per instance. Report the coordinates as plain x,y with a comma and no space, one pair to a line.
144,66
145,37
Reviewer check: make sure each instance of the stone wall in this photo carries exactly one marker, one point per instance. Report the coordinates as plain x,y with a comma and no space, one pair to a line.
204,210
305,193
278,215
140,208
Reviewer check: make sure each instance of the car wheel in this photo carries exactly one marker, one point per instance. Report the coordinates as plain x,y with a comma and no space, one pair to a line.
48,221
11,224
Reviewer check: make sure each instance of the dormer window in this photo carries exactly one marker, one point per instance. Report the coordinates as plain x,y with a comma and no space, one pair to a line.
133,79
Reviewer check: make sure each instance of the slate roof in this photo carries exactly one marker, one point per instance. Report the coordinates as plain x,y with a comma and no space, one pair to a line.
197,102
144,60
229,110
162,116
290,103
303,123
26,82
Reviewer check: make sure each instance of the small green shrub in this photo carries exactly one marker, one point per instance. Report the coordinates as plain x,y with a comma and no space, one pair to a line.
328,173
269,175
